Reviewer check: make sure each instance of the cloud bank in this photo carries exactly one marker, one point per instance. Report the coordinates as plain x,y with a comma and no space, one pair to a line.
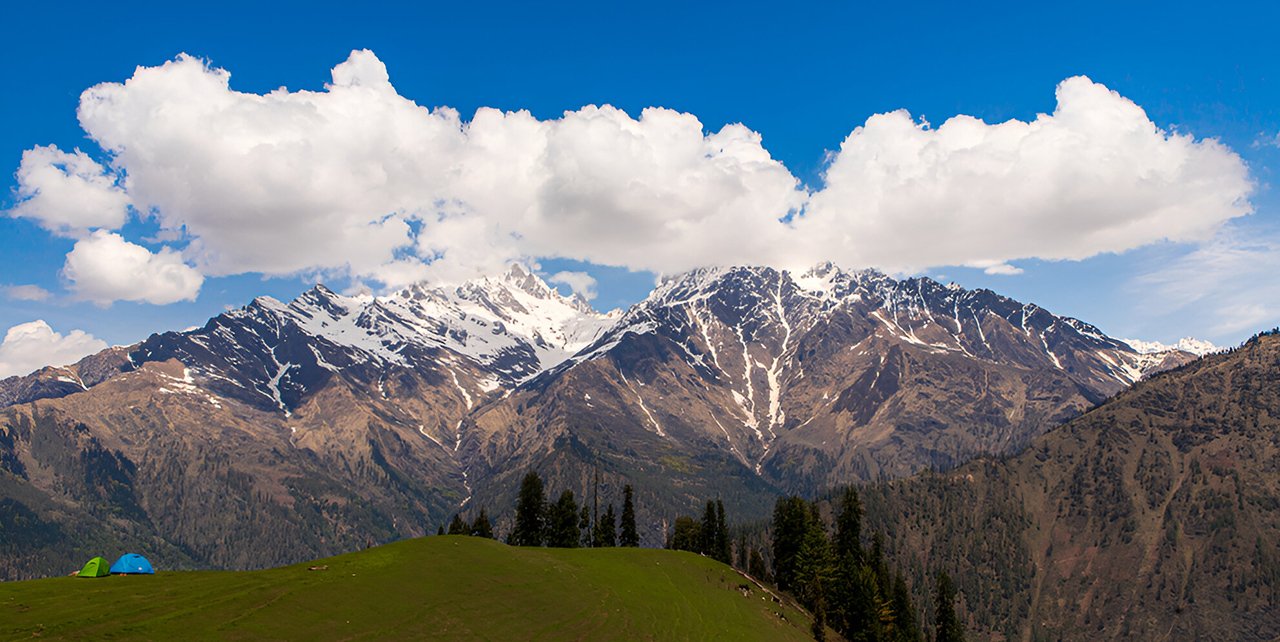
358,181
30,346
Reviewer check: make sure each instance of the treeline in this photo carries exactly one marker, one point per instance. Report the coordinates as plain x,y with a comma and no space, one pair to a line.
708,536
565,524
480,527
845,584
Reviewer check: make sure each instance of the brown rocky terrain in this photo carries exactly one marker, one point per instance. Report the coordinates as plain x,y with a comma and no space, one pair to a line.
1151,517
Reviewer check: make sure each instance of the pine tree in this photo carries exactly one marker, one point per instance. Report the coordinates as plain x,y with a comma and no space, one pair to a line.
607,529
819,626
722,552
710,527
814,569
906,624
848,540
481,527
947,627
459,527
629,536
884,580
741,558
790,523
562,522
530,527
440,531
756,567
584,526
686,535
856,602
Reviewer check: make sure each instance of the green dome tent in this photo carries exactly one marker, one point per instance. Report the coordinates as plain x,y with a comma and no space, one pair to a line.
96,567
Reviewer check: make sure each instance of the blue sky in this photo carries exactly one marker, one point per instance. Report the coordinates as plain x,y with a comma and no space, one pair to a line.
802,75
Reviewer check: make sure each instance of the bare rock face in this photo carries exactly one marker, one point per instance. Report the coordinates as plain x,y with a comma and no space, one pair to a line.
333,422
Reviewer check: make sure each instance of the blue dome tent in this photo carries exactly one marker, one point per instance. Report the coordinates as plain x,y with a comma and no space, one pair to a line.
132,564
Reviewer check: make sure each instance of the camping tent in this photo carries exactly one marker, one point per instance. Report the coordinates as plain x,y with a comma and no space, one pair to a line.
132,564
96,567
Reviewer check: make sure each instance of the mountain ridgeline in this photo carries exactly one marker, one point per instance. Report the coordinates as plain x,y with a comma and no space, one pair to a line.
279,432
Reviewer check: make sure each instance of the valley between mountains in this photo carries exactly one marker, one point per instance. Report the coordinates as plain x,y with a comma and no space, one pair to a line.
280,432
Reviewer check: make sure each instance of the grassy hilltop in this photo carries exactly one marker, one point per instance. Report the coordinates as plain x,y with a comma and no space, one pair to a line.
452,588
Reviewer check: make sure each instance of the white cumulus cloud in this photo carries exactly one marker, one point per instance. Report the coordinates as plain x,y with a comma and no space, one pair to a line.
1094,176
27,347
357,180
67,193
581,283
340,179
104,268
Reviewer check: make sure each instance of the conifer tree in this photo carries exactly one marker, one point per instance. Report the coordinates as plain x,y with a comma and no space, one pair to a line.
790,523
584,526
819,626
848,540
756,567
857,602
906,623
562,522
459,527
687,535
607,529
884,580
721,551
481,527
814,568
710,527
628,536
530,508
947,627
741,561
440,531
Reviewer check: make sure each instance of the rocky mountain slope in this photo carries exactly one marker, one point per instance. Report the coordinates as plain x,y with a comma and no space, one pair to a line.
1151,517
807,381
279,431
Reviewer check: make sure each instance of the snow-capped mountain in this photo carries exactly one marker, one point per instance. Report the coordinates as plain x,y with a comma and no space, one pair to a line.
503,330
1189,345
342,420
824,376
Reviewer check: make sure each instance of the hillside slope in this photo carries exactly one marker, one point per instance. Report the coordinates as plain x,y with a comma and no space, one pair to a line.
439,588
1152,517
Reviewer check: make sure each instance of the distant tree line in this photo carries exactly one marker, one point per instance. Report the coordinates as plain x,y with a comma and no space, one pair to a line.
479,527
559,524
563,524
845,584
708,536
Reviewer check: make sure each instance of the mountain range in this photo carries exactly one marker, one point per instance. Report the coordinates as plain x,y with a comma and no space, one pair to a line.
279,432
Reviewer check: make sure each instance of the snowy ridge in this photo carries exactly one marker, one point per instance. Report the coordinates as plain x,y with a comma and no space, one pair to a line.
739,327
739,322
1194,346
514,326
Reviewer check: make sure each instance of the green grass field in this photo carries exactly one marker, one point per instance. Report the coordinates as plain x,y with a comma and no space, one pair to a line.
439,588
